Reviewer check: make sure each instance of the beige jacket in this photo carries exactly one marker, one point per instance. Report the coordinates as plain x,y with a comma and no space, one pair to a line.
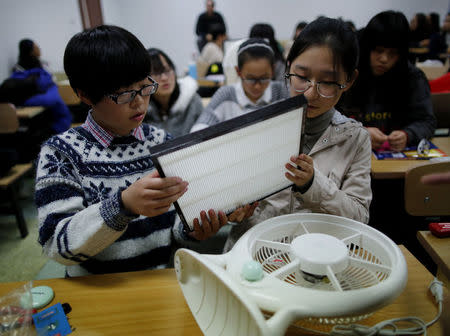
341,185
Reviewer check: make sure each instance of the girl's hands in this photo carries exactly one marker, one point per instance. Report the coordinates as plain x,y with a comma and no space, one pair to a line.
377,137
301,169
152,195
242,213
210,226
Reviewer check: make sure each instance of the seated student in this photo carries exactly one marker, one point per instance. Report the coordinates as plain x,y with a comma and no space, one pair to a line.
255,88
391,97
266,31
29,65
436,42
102,205
332,175
212,52
176,105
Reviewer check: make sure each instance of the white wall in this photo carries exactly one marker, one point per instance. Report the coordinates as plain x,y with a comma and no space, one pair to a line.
170,24
50,23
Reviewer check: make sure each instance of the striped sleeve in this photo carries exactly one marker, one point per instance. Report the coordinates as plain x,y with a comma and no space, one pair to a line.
69,230
208,117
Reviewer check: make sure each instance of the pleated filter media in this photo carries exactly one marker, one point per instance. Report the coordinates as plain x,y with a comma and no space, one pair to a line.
236,162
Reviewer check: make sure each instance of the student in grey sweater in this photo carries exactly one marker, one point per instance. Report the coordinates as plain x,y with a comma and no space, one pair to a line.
176,105
254,90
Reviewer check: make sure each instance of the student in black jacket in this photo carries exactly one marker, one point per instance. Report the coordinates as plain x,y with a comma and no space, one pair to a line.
391,97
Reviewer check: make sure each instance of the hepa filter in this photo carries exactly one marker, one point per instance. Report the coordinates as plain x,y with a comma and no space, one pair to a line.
235,162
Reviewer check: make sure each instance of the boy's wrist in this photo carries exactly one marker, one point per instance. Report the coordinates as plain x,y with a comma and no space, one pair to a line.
112,213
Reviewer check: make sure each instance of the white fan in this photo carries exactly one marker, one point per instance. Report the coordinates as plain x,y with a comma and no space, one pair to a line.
322,267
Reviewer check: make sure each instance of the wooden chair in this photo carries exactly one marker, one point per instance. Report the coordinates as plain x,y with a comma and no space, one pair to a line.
430,200
441,108
9,121
9,184
427,200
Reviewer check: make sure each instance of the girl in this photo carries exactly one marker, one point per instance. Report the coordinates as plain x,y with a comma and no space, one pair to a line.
176,105
333,174
391,96
255,88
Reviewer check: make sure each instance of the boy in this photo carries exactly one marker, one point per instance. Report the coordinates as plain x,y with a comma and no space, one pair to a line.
102,205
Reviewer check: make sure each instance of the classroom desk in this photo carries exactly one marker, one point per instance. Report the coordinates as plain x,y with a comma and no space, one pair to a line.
439,250
67,94
29,112
208,83
152,303
419,50
392,169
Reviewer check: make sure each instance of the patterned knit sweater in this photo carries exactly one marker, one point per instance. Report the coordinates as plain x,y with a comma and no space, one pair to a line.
82,223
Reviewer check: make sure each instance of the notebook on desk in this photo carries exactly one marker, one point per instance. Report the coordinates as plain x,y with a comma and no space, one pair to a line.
409,153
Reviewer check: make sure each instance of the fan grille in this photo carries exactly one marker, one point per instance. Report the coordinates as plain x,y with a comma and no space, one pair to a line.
361,273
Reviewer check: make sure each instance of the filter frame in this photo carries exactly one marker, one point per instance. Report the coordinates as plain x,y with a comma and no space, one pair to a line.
267,112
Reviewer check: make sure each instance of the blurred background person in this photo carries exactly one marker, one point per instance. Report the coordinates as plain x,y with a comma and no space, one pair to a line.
204,24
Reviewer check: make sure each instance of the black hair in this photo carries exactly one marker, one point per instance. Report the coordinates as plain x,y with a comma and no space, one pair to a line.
300,26
26,59
435,26
253,49
333,33
422,30
157,67
351,24
216,30
266,31
101,60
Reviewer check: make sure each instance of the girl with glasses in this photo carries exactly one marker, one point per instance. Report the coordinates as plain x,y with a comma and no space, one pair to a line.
176,105
332,175
102,205
254,89
391,97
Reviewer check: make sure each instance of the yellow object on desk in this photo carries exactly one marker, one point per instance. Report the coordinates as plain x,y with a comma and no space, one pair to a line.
151,302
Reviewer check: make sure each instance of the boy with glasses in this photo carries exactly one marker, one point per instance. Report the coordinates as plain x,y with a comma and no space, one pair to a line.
102,206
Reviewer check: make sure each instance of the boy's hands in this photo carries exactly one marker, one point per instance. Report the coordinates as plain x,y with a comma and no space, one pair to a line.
152,195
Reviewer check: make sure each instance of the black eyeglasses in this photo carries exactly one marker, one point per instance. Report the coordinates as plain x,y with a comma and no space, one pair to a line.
325,89
128,96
